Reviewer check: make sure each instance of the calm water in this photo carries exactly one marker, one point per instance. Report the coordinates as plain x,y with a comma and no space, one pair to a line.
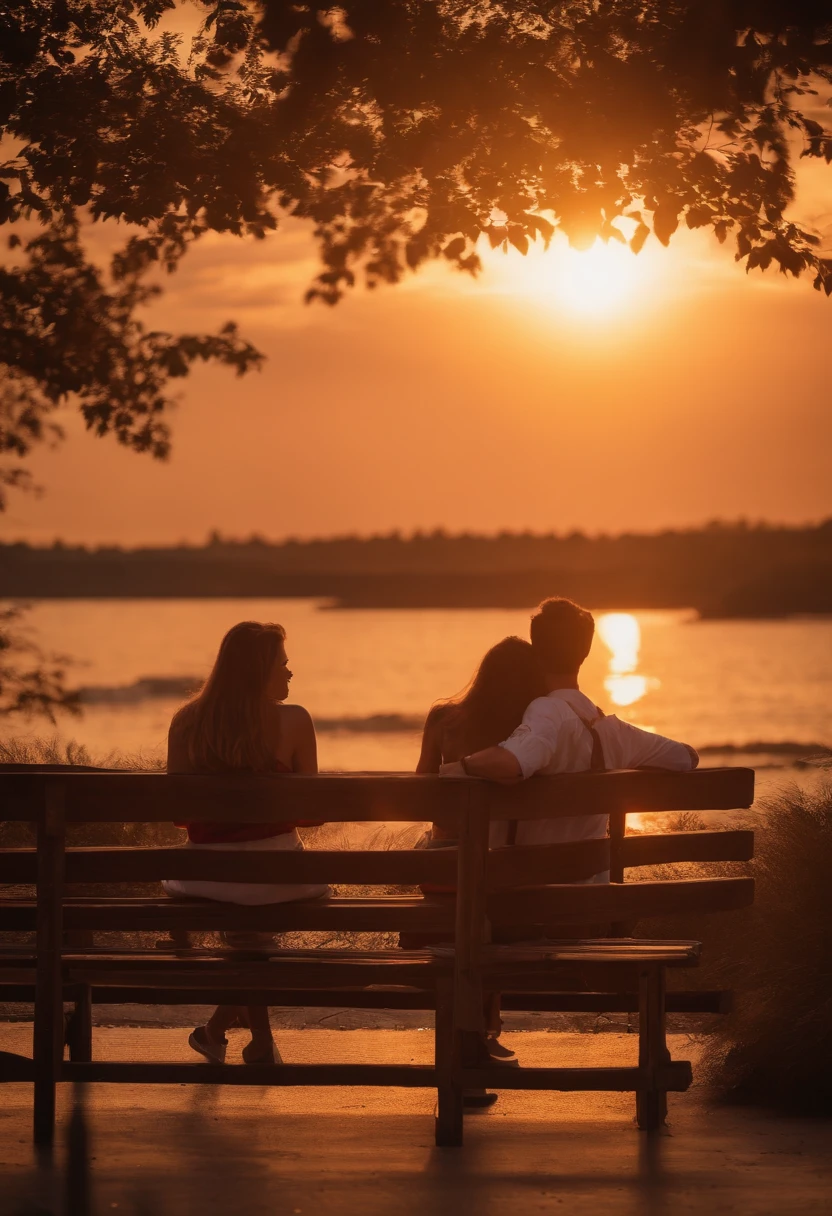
368,677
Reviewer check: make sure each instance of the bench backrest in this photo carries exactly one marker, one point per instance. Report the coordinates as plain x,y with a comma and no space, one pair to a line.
518,885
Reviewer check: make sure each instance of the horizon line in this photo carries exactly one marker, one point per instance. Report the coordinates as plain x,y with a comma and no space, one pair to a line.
215,538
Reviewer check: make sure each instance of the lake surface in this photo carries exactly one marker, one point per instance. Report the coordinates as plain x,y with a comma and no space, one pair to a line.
369,676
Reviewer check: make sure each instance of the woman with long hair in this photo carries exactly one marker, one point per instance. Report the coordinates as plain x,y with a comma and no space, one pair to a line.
492,706
239,723
507,680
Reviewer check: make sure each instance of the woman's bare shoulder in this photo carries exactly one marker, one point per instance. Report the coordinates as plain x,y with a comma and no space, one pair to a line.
295,718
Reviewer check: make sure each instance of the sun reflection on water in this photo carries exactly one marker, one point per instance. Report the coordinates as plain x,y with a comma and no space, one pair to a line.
621,634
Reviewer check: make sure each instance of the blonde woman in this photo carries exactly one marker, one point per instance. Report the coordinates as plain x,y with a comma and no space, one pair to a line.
239,723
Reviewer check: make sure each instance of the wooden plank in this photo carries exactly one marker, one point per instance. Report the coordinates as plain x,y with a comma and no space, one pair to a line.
607,954
162,797
521,865
626,791
274,979
409,1076
703,1001
531,865
663,848
471,925
49,1025
675,1077
382,914
696,1001
537,906
356,867
625,901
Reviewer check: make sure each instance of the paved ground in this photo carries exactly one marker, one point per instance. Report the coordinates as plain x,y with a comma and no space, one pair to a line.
197,1151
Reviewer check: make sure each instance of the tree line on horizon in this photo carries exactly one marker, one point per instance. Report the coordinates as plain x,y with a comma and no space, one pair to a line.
720,570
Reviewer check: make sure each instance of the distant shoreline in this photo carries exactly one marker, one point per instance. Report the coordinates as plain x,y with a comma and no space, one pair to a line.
721,572
425,602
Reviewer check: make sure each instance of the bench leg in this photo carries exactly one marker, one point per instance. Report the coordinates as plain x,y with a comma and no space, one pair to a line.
448,1057
49,1011
79,1027
651,1103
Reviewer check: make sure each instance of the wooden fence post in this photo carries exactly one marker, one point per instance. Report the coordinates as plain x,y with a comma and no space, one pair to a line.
49,1019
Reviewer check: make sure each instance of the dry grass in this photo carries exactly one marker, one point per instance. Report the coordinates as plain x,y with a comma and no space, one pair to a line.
52,751
775,1049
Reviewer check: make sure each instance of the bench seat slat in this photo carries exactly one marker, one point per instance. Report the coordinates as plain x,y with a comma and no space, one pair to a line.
294,975
399,998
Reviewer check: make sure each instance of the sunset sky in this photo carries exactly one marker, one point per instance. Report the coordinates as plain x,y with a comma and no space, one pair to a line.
601,391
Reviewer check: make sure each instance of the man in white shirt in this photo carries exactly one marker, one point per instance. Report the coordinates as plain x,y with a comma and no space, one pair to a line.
564,732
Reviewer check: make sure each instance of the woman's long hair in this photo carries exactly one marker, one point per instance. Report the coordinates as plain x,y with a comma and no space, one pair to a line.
492,706
224,725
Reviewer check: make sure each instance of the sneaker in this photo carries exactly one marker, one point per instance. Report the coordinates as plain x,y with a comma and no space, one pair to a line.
213,1052
272,1056
499,1053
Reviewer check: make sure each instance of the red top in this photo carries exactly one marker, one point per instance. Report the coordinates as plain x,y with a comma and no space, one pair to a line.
231,833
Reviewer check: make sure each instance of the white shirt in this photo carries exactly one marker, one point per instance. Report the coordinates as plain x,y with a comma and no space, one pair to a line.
553,739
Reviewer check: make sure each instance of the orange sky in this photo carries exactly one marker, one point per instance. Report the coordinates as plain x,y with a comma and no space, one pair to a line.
512,402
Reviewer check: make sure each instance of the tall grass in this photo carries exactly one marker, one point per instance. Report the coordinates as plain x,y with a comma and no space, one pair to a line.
34,750
775,1049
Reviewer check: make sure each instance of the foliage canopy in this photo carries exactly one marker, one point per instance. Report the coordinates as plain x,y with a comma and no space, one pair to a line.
402,131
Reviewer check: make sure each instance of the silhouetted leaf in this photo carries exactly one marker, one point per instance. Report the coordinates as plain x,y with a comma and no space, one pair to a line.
639,237
666,220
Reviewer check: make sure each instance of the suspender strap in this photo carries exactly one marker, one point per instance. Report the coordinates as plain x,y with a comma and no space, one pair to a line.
597,764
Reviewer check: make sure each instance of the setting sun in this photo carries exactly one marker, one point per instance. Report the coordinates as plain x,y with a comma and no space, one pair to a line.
596,280
604,281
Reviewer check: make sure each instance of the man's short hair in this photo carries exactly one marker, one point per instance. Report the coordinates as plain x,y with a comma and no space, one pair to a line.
561,634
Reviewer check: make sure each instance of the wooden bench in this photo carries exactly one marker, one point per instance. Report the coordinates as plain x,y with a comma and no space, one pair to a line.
497,889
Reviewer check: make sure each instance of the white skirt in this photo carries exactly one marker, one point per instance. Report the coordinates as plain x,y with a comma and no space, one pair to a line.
247,892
